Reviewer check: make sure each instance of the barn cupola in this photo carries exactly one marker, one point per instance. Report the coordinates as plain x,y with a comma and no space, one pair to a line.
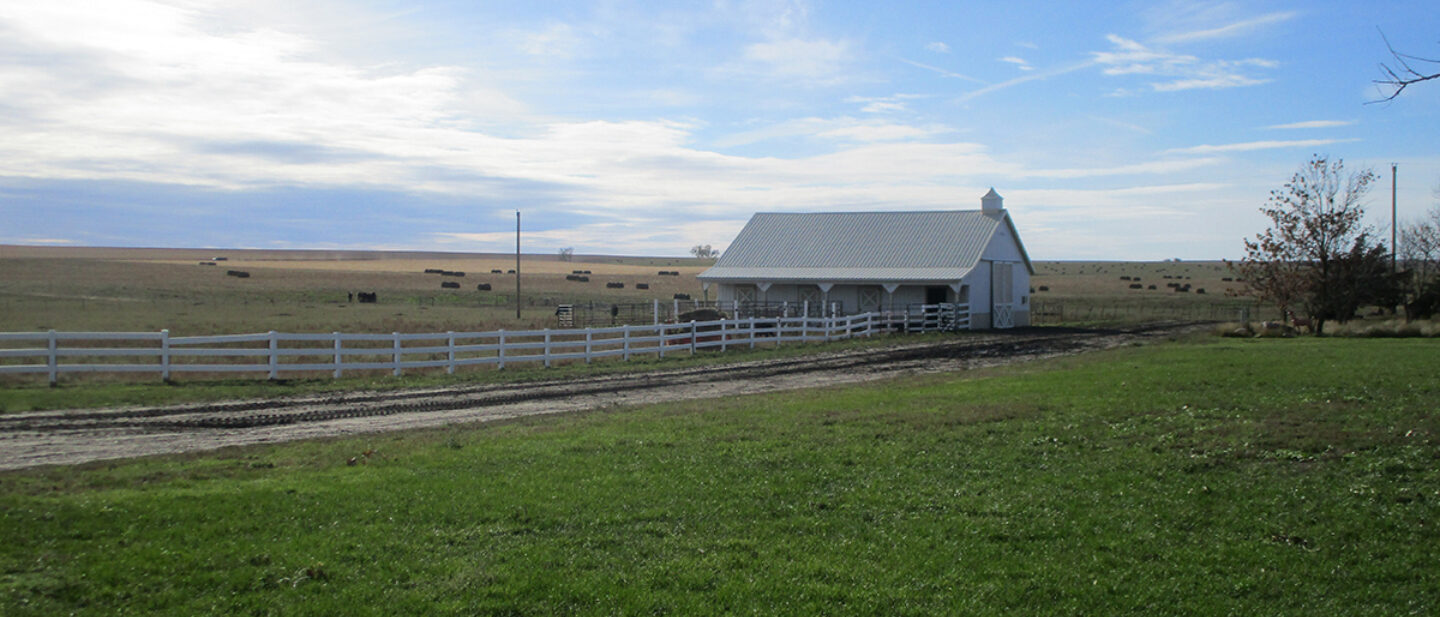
992,202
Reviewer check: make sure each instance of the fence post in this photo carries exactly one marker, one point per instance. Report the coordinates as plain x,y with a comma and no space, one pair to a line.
751,330
547,347
52,360
676,314
450,352
625,336
396,370
165,355
502,350
869,324
657,311
339,358
588,339
724,338
274,355
692,337
660,330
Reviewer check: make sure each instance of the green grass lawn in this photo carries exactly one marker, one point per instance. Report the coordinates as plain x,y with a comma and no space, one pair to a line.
1225,477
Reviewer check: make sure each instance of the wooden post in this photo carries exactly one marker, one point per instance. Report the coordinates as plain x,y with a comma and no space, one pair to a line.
751,330
165,355
588,339
625,336
396,370
502,349
52,360
339,357
274,355
450,352
692,337
547,348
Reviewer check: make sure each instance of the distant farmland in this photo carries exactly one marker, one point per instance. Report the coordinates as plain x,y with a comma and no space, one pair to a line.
117,289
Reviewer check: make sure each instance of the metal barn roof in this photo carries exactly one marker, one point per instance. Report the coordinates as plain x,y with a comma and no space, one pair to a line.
860,246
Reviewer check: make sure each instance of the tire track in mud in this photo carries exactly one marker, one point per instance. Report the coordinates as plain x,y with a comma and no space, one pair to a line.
63,437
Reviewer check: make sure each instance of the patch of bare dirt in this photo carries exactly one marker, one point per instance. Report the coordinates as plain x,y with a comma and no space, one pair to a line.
77,436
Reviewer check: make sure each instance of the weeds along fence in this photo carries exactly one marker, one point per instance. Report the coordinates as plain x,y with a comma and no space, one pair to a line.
274,353
1079,310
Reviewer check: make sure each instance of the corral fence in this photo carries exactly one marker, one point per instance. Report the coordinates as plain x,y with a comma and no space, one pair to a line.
274,353
587,314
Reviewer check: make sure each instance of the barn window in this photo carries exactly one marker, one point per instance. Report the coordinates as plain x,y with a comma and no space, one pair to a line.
869,298
809,293
745,293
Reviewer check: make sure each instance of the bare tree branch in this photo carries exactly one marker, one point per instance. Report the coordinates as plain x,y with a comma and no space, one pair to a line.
1402,75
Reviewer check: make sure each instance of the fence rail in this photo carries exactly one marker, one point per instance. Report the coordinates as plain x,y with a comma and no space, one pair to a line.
274,353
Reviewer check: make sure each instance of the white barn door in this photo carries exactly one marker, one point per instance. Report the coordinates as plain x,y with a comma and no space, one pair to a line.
1002,294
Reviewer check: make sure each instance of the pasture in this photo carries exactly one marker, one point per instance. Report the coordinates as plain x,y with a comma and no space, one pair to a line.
99,289
1214,477
307,291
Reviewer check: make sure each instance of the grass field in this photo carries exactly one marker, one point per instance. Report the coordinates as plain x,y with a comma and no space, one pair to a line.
1225,477
96,289
307,291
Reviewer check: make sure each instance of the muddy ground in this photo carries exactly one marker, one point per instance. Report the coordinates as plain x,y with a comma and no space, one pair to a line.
78,436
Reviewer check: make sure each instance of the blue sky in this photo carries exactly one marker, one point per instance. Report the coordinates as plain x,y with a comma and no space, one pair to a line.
1130,131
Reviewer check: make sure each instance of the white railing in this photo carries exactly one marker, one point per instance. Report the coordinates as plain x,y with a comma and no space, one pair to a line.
55,353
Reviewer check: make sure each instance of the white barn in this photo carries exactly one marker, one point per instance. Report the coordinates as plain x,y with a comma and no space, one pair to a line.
876,261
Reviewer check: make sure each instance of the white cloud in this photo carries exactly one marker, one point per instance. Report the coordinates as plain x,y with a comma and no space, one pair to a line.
944,72
884,104
1179,71
1234,28
814,61
938,47
1250,146
1019,63
556,40
1313,124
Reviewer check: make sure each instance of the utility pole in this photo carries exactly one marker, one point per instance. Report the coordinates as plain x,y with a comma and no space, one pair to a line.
517,264
1392,218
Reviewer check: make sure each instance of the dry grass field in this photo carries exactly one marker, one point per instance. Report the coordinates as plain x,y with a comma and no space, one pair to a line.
120,289
100,289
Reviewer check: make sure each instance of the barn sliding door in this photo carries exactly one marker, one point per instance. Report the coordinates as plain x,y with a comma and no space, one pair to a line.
1002,294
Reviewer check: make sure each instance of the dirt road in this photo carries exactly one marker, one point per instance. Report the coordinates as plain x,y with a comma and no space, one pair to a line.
77,436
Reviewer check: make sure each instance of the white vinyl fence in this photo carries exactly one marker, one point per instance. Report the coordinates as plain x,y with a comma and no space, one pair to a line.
54,353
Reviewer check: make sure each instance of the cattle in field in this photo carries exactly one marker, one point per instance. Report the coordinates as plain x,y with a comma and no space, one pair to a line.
615,286
449,285
497,271
366,297
642,286
483,287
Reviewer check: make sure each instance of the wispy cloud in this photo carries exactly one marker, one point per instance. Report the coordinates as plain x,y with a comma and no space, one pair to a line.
938,47
1250,146
813,61
1033,76
1313,124
1019,63
884,104
1235,28
940,71
1171,72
